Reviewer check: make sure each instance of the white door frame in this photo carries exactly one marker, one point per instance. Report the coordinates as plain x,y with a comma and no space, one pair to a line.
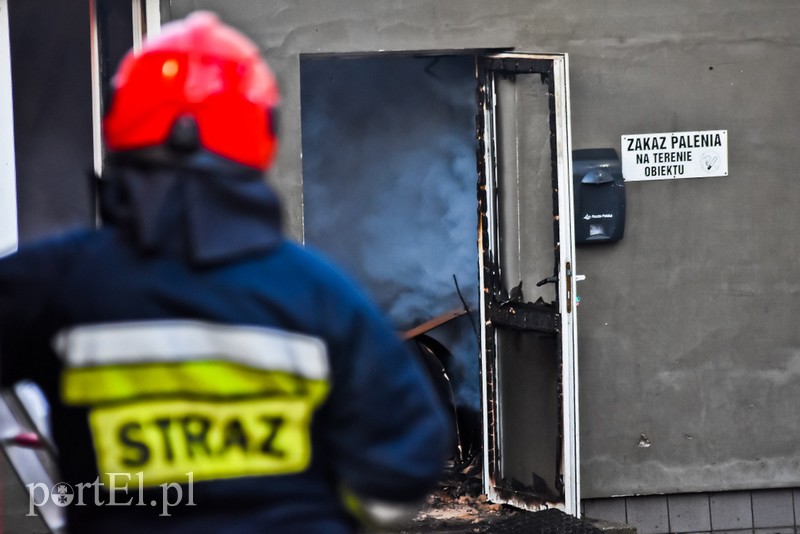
8,175
146,21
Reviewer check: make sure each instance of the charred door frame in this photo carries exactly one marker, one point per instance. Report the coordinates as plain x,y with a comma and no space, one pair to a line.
554,71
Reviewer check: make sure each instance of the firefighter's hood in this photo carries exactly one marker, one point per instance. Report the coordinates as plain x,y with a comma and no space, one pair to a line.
204,216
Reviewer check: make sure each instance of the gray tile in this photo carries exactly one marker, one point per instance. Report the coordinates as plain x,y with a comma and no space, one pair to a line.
689,513
782,530
648,514
612,510
731,511
773,508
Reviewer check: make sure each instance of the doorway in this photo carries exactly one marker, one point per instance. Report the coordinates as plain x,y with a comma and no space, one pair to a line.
433,199
389,174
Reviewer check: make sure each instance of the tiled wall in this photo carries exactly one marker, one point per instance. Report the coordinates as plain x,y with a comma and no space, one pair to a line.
749,512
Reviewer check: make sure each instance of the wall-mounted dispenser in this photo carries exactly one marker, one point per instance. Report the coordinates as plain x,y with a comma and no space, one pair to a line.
599,192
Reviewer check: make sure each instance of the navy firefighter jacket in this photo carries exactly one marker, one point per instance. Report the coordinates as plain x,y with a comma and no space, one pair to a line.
250,372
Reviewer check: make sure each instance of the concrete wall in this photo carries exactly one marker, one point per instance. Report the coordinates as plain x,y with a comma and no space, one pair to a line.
687,328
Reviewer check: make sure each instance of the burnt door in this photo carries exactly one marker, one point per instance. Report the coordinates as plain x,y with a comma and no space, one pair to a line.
528,345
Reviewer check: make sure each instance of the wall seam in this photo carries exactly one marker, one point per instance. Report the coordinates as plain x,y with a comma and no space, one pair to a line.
710,515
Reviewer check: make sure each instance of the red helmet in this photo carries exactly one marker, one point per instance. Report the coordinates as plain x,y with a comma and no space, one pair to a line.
203,69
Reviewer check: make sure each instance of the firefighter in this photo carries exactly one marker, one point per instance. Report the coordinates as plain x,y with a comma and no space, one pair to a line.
205,373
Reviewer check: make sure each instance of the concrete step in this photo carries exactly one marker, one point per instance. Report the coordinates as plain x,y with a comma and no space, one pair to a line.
611,528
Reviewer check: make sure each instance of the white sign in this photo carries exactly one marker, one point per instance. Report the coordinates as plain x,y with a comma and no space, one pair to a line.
665,156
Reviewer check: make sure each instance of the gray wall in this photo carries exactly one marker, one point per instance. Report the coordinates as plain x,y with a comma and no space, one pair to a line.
686,326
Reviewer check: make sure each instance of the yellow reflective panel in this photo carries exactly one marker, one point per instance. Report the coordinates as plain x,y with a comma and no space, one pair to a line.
93,385
167,439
